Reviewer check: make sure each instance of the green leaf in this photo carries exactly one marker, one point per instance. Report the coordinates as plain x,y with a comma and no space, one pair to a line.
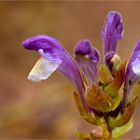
123,118
118,132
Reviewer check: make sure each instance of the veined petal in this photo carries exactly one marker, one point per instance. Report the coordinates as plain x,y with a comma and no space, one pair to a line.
132,72
112,31
57,58
87,58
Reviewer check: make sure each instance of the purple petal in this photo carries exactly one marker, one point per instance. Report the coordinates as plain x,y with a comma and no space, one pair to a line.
87,58
132,72
112,31
52,50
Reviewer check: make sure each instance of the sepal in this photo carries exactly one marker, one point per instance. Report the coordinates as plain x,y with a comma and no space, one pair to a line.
115,85
99,100
88,116
104,75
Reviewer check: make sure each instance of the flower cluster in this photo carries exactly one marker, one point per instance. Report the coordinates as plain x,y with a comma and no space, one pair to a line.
103,92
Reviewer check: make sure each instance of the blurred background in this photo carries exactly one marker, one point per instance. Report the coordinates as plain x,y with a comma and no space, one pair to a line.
47,109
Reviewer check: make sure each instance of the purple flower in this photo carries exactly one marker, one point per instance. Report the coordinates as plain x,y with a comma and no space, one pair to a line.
112,32
87,58
132,72
54,58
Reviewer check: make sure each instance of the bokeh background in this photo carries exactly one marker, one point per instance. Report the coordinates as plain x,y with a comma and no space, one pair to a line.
47,109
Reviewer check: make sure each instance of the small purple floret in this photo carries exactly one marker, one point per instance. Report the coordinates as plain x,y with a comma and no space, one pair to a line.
84,47
87,58
112,31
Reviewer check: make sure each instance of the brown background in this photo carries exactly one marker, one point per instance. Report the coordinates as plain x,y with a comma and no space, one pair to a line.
47,109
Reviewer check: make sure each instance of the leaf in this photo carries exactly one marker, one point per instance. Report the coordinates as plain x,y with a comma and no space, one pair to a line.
118,132
123,118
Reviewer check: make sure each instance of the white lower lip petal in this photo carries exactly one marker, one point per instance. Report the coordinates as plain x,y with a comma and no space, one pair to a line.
43,69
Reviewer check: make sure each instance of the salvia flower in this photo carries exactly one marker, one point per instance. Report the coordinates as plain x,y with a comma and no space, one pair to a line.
87,58
98,87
